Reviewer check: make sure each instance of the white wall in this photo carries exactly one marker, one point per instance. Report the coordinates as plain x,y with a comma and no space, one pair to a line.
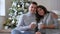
7,6
3,18
49,4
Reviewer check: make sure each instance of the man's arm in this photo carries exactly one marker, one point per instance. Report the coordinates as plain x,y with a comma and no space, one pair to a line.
21,25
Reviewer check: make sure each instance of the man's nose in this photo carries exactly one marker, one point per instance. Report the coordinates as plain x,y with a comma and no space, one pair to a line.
34,8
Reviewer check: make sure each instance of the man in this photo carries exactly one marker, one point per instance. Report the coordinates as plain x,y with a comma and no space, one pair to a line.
24,25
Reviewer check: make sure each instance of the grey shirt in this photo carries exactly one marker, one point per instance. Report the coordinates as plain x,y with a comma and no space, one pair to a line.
24,21
48,20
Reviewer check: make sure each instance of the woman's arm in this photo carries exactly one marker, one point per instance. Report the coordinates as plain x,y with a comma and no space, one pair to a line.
55,25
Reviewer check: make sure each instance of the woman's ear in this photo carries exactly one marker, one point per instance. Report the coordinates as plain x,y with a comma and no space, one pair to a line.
54,15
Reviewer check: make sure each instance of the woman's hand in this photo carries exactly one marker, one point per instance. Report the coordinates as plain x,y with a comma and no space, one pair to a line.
42,26
32,26
38,33
51,26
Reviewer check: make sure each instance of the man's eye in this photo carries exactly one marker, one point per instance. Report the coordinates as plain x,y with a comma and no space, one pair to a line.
35,7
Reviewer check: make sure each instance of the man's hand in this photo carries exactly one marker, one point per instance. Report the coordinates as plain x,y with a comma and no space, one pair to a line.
32,26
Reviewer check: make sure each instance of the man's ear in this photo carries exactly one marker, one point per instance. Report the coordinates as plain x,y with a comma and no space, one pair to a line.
54,15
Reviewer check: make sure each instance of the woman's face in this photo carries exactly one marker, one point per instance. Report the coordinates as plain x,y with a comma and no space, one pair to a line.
40,11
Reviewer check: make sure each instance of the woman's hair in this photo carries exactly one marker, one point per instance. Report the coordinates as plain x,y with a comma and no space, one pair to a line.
39,17
44,8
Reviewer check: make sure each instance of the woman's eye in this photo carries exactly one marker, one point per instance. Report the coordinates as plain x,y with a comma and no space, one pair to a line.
40,9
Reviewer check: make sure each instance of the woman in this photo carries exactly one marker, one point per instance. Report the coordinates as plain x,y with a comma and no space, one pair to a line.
45,19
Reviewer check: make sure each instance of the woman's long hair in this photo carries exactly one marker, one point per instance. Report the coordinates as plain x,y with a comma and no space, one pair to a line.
39,17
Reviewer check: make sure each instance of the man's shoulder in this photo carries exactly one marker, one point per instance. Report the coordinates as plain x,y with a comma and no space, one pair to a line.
23,15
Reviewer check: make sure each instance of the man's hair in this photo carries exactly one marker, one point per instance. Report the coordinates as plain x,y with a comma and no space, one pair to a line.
34,3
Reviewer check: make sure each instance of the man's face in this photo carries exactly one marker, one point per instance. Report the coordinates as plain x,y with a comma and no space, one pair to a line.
32,8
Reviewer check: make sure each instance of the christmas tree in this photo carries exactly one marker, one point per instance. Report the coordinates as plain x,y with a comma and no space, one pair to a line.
18,7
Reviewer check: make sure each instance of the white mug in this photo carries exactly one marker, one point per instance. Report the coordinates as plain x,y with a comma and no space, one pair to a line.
33,23
39,25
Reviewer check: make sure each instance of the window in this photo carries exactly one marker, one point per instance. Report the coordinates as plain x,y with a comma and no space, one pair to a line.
2,7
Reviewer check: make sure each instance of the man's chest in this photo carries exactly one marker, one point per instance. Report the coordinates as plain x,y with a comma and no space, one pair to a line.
28,20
